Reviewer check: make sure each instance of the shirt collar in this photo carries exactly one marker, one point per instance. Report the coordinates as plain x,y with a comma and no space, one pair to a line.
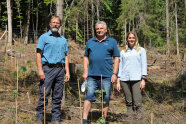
95,39
50,33
134,48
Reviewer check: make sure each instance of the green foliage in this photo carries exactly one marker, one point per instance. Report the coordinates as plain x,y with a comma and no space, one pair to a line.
147,18
47,2
181,91
14,74
29,61
14,93
11,109
21,49
22,69
19,13
108,4
99,95
101,120
4,17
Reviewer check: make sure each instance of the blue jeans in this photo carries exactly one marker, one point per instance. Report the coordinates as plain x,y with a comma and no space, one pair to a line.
94,83
54,78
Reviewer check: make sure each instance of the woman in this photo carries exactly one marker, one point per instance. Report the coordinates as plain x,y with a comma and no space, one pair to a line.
132,73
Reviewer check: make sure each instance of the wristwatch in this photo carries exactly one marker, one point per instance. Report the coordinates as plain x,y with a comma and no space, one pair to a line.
114,74
144,78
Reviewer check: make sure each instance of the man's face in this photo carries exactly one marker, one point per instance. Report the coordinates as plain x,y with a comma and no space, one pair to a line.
55,25
101,30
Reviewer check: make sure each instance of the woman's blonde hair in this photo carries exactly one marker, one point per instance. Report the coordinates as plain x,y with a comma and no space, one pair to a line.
137,46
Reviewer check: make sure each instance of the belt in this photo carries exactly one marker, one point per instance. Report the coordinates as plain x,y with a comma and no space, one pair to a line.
54,65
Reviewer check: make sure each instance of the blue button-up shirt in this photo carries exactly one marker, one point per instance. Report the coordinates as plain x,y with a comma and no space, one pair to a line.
53,48
133,64
100,56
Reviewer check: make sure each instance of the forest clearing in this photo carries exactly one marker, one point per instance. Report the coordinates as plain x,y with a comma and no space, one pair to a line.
164,95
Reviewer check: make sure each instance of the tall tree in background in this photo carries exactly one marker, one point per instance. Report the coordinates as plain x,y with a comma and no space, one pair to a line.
167,27
97,9
19,16
59,11
176,19
9,12
66,15
185,6
92,15
28,22
87,17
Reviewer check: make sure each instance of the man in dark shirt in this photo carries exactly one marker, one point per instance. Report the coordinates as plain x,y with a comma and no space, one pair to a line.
98,55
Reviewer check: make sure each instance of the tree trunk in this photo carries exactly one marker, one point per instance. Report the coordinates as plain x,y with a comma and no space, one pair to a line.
92,11
77,27
97,9
84,28
185,6
87,20
59,12
167,26
125,31
0,11
177,40
33,24
9,12
133,25
67,12
28,23
37,17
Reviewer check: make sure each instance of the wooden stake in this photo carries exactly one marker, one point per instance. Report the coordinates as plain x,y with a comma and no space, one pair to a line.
17,88
44,106
17,74
152,118
80,101
101,96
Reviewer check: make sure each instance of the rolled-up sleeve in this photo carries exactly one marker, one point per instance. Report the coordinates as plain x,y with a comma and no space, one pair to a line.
41,43
86,50
116,50
66,47
143,62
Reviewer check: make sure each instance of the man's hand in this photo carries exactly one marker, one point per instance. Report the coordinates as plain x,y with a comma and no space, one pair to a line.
113,78
41,75
85,76
67,77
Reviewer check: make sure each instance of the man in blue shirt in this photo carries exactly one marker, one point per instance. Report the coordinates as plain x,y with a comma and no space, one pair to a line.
52,62
98,55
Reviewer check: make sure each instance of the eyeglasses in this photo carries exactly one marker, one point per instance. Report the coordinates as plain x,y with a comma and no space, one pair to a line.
55,23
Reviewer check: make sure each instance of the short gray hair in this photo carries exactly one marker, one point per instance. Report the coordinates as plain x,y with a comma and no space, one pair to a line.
101,22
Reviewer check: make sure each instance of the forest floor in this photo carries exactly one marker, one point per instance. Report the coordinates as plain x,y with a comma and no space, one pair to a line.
163,98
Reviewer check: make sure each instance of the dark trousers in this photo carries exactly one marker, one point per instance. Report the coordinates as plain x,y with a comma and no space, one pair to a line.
132,94
54,78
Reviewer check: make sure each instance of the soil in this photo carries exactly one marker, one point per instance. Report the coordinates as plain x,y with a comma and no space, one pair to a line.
162,98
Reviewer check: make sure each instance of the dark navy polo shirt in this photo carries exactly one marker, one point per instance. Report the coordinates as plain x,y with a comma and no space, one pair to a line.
100,56
53,48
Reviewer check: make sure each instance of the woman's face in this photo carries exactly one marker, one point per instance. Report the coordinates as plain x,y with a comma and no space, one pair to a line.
131,40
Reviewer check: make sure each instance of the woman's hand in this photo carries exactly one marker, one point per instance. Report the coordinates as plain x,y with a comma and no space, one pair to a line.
118,85
142,84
